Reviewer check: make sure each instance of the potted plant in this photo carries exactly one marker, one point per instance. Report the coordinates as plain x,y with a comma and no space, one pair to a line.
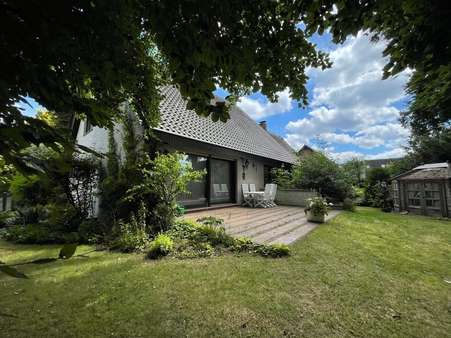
316,209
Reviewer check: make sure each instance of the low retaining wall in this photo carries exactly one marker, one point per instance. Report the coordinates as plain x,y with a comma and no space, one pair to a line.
294,197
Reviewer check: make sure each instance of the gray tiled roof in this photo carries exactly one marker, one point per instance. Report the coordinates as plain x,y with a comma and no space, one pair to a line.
240,132
437,173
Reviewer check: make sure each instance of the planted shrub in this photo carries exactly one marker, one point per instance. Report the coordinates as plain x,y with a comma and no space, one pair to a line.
199,240
273,250
131,236
38,234
8,218
161,246
210,220
348,205
317,206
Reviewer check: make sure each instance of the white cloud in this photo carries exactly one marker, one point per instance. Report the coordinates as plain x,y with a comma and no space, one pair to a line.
394,153
351,103
345,156
389,135
258,110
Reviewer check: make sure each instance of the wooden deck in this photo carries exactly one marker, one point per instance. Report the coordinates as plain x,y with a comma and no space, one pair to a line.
281,224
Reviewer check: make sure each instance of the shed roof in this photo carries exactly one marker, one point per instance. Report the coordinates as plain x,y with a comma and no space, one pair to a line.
432,171
432,165
428,174
239,133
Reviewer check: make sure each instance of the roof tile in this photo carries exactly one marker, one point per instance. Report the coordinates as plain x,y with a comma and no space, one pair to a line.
240,132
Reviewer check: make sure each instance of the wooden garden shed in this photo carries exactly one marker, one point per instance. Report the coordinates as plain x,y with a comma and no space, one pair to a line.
424,190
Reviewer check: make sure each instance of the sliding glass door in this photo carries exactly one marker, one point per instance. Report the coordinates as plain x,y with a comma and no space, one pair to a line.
197,195
221,188
215,187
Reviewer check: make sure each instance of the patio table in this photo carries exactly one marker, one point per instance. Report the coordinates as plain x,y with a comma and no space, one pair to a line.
254,194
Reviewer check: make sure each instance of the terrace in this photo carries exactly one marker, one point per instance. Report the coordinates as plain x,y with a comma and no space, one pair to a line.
281,224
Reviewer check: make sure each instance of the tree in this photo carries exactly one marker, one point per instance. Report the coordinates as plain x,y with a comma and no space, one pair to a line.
376,188
86,57
433,147
319,172
355,168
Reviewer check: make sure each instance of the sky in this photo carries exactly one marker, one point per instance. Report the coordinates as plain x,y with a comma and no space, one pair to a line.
352,112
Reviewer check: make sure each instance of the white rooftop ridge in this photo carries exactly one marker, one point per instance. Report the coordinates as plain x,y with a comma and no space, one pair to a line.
432,166
239,133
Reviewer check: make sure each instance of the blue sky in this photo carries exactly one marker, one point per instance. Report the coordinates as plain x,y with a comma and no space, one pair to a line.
352,112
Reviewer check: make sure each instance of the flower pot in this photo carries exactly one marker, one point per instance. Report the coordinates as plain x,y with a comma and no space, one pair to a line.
321,218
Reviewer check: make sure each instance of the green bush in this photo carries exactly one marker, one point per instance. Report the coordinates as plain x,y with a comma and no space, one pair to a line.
199,240
9,218
214,234
91,231
273,250
38,234
210,220
63,217
348,205
317,206
130,236
161,246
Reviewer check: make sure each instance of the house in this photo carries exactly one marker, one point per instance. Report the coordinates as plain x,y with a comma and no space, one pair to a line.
235,152
305,151
424,190
377,163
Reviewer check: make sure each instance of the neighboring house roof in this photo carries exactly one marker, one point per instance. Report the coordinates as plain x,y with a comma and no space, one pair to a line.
379,163
239,133
305,149
432,171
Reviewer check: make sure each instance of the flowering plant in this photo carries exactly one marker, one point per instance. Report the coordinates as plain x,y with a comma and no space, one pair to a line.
317,206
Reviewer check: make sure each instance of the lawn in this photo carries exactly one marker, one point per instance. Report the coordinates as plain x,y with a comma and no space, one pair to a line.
362,274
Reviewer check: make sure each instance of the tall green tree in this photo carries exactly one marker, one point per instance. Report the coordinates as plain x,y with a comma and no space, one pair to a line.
86,57
355,169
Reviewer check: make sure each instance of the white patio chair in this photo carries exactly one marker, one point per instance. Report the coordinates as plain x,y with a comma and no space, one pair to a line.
264,200
247,198
273,195
252,187
216,190
224,189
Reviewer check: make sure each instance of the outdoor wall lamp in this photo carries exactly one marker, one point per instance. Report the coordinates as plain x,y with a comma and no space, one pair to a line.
245,165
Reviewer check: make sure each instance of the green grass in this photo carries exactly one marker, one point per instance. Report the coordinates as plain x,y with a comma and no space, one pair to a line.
363,274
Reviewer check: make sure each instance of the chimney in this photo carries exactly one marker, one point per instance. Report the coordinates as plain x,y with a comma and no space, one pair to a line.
263,124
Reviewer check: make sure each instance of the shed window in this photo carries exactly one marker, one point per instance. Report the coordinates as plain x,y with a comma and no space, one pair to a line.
395,193
414,194
432,195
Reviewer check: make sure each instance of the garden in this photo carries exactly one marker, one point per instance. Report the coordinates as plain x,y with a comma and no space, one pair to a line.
364,273
55,202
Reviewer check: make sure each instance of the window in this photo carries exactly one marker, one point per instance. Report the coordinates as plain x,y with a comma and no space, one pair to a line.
395,193
88,126
432,195
414,195
267,176
196,197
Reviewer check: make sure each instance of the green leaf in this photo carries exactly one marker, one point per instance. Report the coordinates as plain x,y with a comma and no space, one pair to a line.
67,251
43,260
12,271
